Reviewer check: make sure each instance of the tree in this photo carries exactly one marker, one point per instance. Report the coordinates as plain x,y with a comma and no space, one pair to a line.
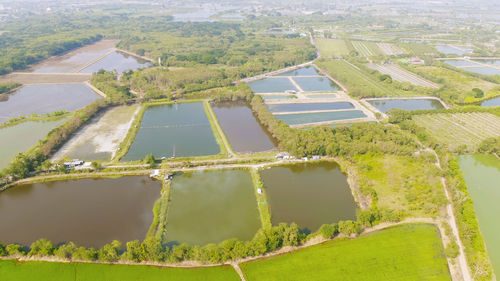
96,165
85,254
152,249
291,235
150,159
134,251
181,252
328,230
110,252
349,227
65,251
42,247
3,251
478,93
15,250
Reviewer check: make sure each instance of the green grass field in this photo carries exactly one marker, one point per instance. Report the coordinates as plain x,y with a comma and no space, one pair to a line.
54,271
459,129
407,252
330,48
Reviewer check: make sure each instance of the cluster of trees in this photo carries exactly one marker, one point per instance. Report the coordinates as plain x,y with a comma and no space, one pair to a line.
490,145
360,138
19,50
7,87
107,82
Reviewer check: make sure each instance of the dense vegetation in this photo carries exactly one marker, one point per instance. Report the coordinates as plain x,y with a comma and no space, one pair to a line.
7,87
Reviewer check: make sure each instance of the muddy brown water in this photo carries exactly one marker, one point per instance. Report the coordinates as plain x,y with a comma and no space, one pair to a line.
309,194
89,212
241,127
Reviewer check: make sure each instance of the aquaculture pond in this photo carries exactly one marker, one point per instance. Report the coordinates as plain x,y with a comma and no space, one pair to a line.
100,138
296,119
406,104
212,206
296,107
482,175
43,99
178,130
316,84
20,138
276,97
118,61
322,96
492,62
447,50
305,71
89,212
484,70
272,85
309,194
491,102
461,63
241,127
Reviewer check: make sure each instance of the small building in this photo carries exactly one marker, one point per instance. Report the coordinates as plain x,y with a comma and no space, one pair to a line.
416,61
316,157
259,191
169,176
73,164
155,174
305,158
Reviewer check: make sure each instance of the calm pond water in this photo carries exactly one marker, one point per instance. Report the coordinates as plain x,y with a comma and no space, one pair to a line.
316,84
492,62
458,63
43,99
484,70
292,107
272,85
406,104
482,175
117,61
492,102
309,194
20,138
181,128
242,129
72,63
322,96
89,212
447,50
277,97
295,119
209,207
305,71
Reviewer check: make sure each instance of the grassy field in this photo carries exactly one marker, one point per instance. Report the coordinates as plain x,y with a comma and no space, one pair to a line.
367,49
460,129
415,190
11,270
419,49
407,252
330,48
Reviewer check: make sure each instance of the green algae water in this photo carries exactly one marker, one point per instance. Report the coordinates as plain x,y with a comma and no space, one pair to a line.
212,206
482,176
309,194
20,138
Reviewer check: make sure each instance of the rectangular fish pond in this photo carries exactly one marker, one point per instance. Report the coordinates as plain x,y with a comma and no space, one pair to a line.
484,70
306,118
272,85
406,104
491,102
178,130
309,194
42,99
451,50
305,71
482,175
212,206
20,138
316,84
118,61
89,212
297,107
241,127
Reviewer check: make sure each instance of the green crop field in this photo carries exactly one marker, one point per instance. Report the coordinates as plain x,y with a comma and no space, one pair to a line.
54,271
459,129
419,49
367,49
332,47
406,252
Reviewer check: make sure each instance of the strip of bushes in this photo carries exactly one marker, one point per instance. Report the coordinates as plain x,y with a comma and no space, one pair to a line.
7,87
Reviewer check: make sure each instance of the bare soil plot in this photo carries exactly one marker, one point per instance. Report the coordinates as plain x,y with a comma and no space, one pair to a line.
391,49
100,139
399,74
75,60
332,47
459,129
